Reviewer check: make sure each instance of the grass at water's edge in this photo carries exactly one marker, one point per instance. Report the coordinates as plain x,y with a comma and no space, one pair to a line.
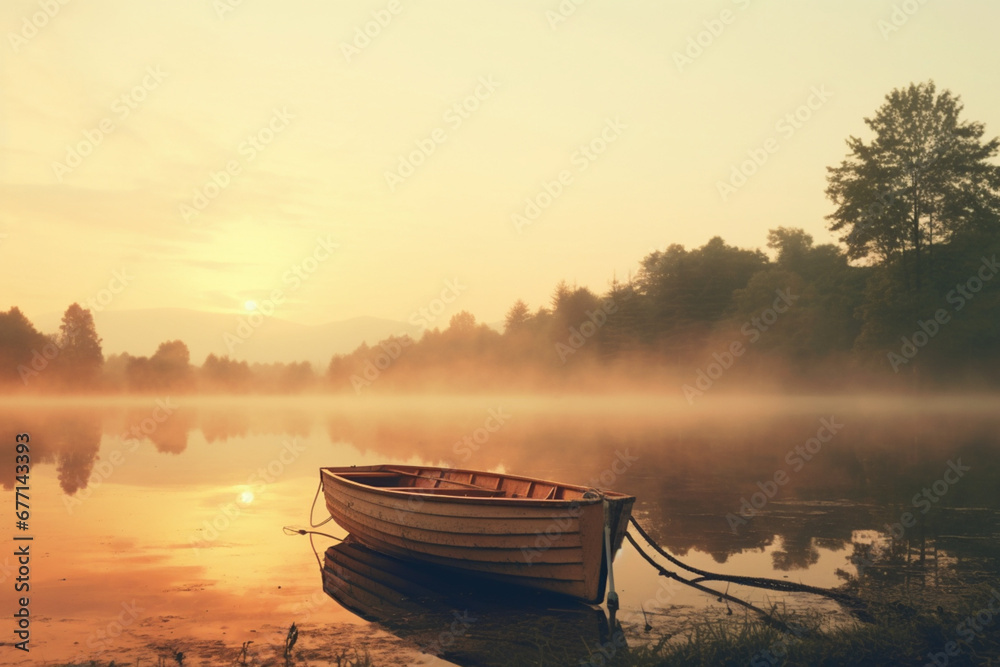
929,631
345,658
900,633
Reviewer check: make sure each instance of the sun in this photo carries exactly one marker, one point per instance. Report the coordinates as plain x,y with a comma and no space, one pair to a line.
246,497
250,304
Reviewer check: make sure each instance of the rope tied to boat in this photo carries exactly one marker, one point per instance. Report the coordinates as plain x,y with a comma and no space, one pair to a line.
612,593
292,530
855,604
593,493
664,572
312,509
757,582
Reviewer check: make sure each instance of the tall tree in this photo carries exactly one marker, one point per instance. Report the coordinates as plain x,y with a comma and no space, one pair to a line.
924,177
570,306
172,363
822,292
792,245
462,324
80,357
517,317
223,373
687,291
168,369
19,343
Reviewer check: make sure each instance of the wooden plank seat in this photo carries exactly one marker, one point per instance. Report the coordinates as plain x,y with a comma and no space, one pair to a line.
439,491
369,475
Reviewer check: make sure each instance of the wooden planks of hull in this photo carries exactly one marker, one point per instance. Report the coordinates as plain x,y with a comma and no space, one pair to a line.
529,523
461,545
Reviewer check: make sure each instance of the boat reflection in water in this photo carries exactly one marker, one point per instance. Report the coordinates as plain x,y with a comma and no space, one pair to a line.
462,618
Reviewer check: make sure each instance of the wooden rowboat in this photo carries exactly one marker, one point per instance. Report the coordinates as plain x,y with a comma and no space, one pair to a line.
518,530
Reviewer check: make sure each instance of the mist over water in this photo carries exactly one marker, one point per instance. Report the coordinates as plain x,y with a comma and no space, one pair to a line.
177,504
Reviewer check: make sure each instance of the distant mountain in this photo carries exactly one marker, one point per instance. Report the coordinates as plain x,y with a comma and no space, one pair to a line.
139,332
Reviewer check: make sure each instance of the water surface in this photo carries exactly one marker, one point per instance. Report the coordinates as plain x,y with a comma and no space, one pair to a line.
157,522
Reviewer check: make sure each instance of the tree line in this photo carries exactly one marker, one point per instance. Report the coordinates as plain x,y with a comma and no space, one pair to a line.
910,295
72,360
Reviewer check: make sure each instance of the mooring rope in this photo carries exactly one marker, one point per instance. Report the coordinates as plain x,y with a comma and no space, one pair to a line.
291,530
312,509
756,582
612,597
766,616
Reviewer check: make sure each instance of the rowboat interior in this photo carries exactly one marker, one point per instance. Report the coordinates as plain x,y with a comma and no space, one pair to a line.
465,483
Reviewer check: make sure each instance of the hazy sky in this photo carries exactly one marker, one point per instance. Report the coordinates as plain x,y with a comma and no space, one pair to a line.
309,115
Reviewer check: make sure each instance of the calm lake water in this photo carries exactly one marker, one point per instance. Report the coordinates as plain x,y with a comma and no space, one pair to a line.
171,540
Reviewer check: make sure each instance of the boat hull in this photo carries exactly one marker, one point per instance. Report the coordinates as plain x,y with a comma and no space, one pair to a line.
553,542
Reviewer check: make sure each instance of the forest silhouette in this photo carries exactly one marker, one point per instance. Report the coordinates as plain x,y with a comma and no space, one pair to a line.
909,298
